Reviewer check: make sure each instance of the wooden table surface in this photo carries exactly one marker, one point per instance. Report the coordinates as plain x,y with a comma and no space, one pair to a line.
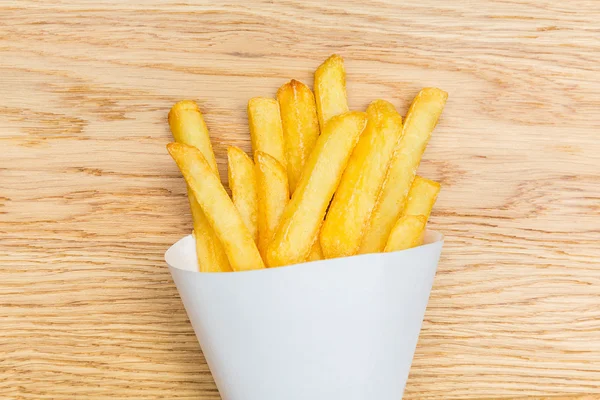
90,200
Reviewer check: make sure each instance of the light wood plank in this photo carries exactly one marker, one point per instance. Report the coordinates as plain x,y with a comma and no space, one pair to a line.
89,198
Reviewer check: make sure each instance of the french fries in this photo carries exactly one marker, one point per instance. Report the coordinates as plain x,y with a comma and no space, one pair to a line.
351,177
242,182
420,121
316,252
209,250
266,132
421,197
304,214
218,208
361,182
300,126
188,127
273,196
330,89
407,233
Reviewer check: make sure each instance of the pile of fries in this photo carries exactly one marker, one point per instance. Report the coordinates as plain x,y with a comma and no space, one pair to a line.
325,181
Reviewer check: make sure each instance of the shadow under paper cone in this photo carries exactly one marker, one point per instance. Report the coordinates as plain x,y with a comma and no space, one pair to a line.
344,328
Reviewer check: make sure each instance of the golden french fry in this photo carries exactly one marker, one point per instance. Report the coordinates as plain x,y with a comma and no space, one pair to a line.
209,250
304,214
421,197
330,89
242,182
361,182
316,252
420,121
300,126
218,208
273,196
266,132
407,233
188,127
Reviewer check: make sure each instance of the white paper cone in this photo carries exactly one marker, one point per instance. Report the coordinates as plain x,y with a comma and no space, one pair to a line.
345,328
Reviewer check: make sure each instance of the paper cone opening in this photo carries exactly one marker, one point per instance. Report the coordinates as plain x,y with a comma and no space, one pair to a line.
344,328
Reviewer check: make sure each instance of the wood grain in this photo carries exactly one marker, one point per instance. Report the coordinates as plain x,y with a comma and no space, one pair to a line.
89,199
